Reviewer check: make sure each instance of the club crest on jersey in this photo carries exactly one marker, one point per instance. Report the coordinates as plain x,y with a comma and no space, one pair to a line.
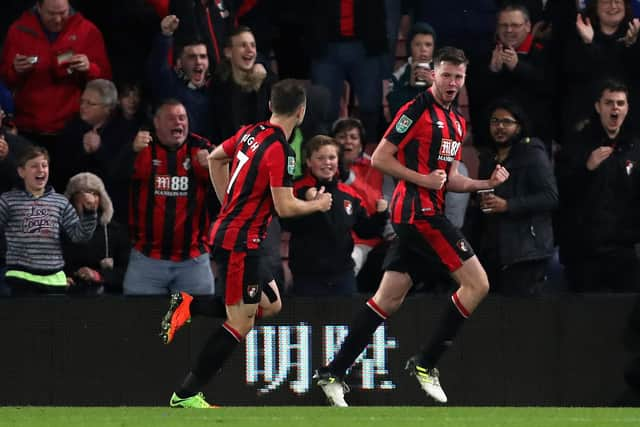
440,124
448,150
403,124
459,128
348,207
252,291
186,164
462,245
291,165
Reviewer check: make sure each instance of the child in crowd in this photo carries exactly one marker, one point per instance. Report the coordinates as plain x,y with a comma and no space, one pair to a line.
34,217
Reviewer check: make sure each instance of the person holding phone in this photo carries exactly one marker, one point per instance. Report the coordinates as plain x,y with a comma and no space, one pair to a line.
50,53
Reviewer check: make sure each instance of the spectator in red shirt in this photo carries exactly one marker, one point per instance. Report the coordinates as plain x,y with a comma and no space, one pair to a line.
49,54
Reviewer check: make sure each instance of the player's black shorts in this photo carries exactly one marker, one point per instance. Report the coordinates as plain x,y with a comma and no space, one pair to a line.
424,244
242,274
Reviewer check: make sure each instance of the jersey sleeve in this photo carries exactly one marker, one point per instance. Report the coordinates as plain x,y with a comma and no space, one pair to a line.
229,145
403,125
281,163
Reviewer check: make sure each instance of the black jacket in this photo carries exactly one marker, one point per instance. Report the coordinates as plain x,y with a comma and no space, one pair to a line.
584,67
530,84
232,107
524,232
115,133
108,241
599,209
321,243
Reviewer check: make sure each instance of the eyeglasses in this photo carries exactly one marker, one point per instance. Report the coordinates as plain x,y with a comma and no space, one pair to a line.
494,121
512,26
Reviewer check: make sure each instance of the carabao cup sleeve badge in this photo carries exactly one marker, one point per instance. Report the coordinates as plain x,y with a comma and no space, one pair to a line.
403,124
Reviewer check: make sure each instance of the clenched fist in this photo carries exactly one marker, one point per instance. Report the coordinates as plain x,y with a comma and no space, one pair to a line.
142,141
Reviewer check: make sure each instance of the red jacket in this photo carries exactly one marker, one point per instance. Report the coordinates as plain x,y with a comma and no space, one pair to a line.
47,96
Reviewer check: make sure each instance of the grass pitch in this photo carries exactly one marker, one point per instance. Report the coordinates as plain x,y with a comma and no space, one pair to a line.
318,416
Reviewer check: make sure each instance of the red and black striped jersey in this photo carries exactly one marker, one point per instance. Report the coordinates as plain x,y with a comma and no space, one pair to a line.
167,213
428,137
261,159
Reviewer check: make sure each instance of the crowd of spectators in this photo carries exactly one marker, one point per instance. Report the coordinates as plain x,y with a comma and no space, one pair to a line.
123,99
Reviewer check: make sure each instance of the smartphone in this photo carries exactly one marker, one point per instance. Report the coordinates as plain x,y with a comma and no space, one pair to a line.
64,57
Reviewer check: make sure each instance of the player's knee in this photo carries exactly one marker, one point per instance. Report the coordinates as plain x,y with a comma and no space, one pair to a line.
244,327
482,286
393,303
272,308
390,303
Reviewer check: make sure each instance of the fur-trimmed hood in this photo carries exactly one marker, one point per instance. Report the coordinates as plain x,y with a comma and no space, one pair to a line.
87,181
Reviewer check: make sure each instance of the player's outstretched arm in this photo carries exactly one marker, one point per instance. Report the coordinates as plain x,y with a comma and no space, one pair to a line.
219,171
459,183
287,205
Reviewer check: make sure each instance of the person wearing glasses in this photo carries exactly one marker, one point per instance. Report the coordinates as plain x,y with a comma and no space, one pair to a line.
512,230
95,135
519,68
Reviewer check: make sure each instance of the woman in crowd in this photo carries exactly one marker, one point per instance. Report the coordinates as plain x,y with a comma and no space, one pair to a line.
98,265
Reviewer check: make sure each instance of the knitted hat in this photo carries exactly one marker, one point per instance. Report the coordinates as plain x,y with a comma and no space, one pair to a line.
87,181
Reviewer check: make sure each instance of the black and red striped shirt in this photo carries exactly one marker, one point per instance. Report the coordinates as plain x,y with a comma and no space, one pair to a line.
167,213
428,137
261,159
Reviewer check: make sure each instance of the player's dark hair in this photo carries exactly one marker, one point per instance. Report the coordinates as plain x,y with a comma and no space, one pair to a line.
450,54
287,96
